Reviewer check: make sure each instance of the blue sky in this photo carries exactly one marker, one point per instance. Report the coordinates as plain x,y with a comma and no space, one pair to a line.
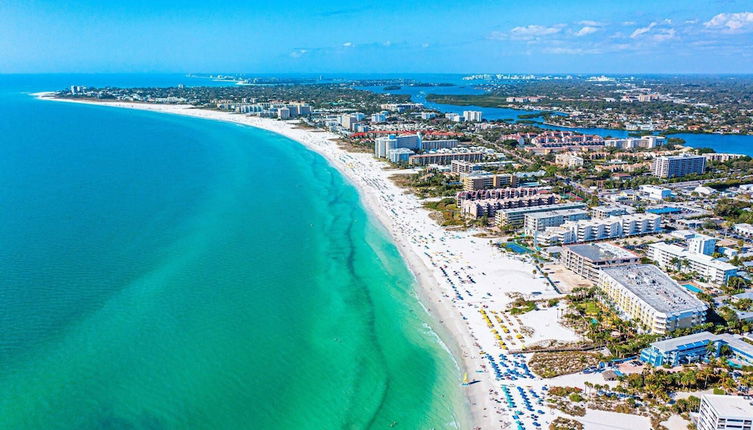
523,36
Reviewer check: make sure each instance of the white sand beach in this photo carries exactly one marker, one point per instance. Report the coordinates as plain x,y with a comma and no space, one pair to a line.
460,277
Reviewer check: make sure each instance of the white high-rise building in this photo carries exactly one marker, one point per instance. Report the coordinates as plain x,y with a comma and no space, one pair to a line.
472,115
283,113
702,244
383,145
724,412
679,165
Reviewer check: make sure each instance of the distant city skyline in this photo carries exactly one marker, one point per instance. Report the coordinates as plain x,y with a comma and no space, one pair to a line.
390,37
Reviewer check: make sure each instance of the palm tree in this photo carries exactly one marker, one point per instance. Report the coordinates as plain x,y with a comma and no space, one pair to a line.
675,262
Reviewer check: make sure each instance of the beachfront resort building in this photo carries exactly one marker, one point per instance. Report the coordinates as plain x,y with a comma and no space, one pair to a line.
678,258
445,157
678,165
485,181
515,217
489,207
587,230
724,412
539,221
587,260
382,145
696,347
500,193
399,155
645,294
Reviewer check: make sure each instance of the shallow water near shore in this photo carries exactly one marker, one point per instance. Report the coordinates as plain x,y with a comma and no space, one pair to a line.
166,272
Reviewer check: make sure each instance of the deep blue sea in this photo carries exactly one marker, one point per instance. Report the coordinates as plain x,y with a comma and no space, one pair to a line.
164,272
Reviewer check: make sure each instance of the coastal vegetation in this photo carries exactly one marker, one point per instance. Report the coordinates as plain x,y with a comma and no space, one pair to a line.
447,211
551,364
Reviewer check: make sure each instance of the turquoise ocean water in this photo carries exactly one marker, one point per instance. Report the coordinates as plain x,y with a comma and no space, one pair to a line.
161,272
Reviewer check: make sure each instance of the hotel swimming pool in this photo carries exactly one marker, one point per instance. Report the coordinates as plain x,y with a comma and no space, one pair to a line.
692,288
664,210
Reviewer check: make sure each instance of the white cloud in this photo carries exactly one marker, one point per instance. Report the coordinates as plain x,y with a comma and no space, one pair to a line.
642,30
663,35
591,23
387,43
529,32
586,31
626,23
571,51
740,22
425,45
348,44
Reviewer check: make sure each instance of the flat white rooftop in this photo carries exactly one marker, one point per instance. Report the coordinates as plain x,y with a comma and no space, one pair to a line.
698,258
601,251
655,287
730,406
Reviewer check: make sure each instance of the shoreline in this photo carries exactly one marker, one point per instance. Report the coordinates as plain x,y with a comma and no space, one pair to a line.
429,251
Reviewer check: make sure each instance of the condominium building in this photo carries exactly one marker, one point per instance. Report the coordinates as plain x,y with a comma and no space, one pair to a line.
744,230
399,155
445,157
483,181
600,229
678,258
466,167
561,140
539,221
382,145
488,208
515,217
679,165
635,142
644,293
472,115
724,412
500,193
701,244
430,145
569,160
283,113
722,157
587,260
453,117
601,212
